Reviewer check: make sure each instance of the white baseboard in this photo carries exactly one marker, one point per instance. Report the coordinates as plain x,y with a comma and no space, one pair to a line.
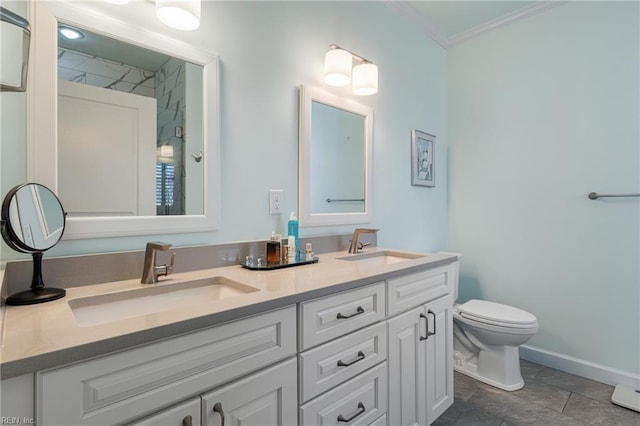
580,367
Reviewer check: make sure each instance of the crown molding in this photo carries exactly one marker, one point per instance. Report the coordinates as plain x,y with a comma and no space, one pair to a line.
501,21
407,11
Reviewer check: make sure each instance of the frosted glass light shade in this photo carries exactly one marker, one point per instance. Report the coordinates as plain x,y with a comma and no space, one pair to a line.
166,151
337,67
179,14
365,79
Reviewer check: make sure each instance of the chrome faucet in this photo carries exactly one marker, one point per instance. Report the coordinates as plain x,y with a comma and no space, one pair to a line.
356,246
151,271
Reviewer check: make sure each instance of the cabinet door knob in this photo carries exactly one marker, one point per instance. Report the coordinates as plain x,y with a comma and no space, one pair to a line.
358,311
187,421
359,358
361,410
217,408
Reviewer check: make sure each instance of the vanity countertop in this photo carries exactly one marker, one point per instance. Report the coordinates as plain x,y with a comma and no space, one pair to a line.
38,337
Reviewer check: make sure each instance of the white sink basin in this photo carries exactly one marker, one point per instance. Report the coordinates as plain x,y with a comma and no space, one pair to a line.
386,257
109,307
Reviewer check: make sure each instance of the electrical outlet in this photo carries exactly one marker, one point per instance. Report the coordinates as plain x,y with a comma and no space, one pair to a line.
276,200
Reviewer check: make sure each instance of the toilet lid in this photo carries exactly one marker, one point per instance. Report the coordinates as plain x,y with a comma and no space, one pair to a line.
496,313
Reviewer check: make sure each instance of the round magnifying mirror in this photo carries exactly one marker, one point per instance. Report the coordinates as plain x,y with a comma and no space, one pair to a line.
33,221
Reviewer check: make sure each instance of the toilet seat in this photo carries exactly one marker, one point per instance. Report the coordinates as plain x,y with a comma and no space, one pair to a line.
497,314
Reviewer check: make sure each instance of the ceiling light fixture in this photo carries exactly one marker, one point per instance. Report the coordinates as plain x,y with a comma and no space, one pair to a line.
179,14
70,33
338,71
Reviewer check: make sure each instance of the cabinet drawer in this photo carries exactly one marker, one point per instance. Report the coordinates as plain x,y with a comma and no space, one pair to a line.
362,400
329,317
328,365
185,414
130,384
411,290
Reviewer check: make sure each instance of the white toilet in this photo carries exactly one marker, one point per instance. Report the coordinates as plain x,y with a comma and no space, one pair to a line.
486,340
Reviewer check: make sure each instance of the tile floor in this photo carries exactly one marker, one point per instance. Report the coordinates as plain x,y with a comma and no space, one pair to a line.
549,398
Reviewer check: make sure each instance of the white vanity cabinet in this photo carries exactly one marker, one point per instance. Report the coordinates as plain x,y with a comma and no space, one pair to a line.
343,379
125,386
396,364
185,414
421,346
264,398
379,354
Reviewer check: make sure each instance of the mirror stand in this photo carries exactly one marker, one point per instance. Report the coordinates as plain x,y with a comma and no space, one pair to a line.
38,293
32,222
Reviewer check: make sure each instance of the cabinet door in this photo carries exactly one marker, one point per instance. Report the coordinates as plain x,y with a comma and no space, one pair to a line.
264,398
406,359
439,363
185,414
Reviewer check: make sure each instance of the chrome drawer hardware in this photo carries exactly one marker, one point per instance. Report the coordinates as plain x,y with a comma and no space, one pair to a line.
187,421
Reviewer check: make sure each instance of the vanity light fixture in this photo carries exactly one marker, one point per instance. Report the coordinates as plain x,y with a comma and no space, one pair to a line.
166,151
179,14
338,71
165,154
70,33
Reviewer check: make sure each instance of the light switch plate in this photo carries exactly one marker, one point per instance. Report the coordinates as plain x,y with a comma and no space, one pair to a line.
276,200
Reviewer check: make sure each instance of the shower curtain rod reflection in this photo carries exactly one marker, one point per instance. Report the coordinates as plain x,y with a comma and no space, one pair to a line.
595,195
338,200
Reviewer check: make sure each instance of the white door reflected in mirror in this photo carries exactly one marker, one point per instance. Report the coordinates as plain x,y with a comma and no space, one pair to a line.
118,105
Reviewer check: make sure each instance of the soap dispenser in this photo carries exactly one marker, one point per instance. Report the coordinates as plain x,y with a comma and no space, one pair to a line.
292,231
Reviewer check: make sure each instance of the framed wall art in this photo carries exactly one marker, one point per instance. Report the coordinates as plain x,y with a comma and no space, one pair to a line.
423,172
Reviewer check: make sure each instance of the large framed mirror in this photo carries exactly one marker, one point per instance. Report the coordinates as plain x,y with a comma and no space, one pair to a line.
335,146
123,125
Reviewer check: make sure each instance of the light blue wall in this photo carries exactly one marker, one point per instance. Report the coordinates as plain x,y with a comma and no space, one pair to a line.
541,113
13,127
338,156
267,49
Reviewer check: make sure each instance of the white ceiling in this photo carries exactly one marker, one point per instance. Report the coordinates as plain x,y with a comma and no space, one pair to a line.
450,22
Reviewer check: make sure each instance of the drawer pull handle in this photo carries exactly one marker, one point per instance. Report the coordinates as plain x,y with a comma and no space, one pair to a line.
361,410
430,312
187,421
426,320
360,357
218,409
358,311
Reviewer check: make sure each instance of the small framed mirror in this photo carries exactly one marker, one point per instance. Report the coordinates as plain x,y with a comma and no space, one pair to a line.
33,221
335,159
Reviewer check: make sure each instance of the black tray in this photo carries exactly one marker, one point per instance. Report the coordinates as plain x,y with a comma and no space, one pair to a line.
255,267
